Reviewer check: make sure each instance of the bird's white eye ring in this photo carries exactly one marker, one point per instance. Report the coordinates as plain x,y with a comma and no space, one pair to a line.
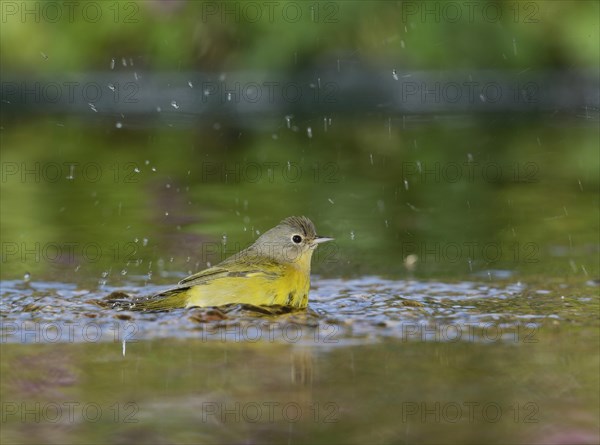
297,239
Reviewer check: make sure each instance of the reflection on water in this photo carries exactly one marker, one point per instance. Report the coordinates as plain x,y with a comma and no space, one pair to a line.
391,391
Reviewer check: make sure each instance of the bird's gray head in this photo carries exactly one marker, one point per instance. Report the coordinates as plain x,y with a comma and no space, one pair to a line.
292,240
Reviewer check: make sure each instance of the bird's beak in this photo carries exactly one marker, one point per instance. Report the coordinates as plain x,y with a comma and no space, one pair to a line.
322,239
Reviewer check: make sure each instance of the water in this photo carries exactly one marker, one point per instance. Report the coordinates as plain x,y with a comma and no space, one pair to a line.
408,359
459,299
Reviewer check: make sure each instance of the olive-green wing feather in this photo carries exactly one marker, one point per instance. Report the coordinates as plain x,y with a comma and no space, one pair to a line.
203,276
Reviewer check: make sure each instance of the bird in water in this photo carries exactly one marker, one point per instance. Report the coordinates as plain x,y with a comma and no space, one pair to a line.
274,271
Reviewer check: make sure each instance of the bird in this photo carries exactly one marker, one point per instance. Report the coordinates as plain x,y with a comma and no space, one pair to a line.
273,271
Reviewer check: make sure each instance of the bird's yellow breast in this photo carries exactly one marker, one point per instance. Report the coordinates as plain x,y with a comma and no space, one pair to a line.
288,286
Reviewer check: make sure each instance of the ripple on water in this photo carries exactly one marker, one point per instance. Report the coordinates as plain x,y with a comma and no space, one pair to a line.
341,312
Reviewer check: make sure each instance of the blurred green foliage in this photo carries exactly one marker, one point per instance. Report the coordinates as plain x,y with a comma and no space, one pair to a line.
201,35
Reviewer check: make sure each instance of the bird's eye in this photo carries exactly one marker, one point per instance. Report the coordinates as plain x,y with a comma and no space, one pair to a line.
297,239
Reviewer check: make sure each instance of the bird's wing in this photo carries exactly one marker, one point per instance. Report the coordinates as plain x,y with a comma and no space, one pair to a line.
208,275
178,296
203,276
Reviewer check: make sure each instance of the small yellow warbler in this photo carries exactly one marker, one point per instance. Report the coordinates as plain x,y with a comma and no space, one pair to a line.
275,270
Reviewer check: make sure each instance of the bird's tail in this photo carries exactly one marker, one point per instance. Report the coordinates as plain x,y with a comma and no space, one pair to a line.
163,301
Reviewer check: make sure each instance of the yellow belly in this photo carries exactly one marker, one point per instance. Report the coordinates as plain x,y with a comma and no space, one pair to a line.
290,288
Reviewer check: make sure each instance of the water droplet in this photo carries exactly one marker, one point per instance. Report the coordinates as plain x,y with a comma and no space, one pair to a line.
352,236
330,200
190,84
71,176
119,125
27,277
92,107
112,63
145,242
174,104
111,87
309,132
394,74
